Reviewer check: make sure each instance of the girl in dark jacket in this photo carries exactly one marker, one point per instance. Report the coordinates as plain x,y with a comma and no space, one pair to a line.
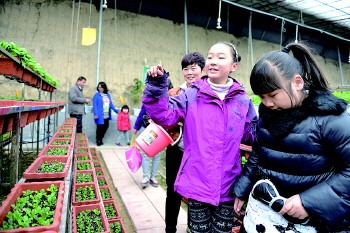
302,150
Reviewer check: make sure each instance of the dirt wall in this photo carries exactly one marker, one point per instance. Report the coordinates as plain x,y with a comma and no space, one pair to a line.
51,30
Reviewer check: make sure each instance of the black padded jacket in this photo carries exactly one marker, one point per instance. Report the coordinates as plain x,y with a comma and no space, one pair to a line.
310,158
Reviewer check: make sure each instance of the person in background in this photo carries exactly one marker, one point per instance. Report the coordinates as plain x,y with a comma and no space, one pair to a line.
301,151
143,120
123,125
77,101
192,65
102,106
218,116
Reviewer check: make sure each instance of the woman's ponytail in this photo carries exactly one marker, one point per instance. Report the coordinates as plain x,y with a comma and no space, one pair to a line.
314,78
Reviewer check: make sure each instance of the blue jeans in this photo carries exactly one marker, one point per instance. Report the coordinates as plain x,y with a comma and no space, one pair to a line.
123,136
146,165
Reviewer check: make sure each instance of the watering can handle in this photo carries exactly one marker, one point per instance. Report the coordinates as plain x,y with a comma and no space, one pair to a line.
178,139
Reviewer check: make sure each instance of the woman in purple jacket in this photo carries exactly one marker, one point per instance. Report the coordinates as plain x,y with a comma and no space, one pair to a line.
218,115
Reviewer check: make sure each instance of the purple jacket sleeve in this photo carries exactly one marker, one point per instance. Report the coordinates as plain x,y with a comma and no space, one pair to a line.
250,126
162,110
139,120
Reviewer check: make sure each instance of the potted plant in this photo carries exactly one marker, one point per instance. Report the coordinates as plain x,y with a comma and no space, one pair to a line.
81,150
95,159
136,94
106,193
81,145
89,218
136,90
48,167
111,209
116,226
101,181
84,177
43,199
63,135
99,171
82,156
85,194
83,165
55,150
60,141
82,136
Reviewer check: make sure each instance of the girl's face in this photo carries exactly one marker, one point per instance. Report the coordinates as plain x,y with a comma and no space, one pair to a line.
219,63
125,110
100,89
279,99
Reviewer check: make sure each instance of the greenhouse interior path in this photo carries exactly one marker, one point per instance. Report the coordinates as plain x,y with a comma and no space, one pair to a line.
146,207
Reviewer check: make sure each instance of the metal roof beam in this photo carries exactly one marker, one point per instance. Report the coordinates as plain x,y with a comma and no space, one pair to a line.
279,17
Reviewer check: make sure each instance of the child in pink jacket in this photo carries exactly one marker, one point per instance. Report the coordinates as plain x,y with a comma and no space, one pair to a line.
123,126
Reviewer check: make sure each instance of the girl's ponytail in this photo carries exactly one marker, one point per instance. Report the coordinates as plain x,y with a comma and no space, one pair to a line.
314,78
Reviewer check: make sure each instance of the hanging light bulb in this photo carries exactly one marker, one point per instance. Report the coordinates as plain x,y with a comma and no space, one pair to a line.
104,6
218,26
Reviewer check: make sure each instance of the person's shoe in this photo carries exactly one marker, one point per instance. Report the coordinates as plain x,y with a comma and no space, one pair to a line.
128,144
266,192
144,182
118,144
154,182
99,143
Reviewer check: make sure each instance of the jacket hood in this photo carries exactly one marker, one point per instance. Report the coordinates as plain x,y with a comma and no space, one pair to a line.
323,103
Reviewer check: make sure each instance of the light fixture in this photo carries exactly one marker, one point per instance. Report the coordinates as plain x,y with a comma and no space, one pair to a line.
104,6
218,26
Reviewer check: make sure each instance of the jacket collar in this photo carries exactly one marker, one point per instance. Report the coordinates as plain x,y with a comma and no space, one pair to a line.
203,86
318,103
79,88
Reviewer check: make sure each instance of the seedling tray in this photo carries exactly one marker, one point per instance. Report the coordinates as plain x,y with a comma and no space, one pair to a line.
31,173
17,192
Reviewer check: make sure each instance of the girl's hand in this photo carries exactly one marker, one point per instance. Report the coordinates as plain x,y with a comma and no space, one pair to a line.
134,131
95,117
294,208
155,71
237,207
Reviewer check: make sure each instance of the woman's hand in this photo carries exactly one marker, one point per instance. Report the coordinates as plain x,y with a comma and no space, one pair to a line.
155,71
294,207
95,117
237,207
134,131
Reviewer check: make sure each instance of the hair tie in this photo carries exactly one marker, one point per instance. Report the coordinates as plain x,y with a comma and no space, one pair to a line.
286,50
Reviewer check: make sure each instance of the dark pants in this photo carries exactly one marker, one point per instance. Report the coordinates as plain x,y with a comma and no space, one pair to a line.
207,218
101,131
79,122
173,199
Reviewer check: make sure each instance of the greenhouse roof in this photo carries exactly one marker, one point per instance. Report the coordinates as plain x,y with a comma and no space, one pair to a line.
323,24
